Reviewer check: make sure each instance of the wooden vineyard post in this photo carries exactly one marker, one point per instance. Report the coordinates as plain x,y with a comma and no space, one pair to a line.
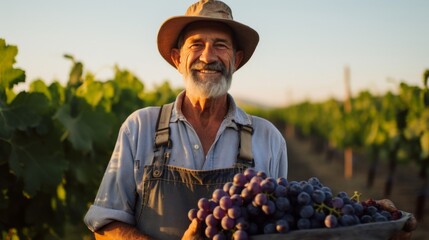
348,152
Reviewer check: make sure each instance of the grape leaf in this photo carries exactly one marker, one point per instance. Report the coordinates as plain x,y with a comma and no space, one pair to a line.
26,110
88,127
9,76
38,161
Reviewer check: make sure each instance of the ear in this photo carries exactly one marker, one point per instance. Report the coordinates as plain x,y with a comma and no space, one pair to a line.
175,56
238,58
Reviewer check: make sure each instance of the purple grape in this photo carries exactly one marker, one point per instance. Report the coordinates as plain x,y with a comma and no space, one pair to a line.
282,203
306,187
328,193
234,212
260,199
235,189
219,236
256,179
211,231
242,223
219,213
249,173
237,200
347,220
303,198
202,214
342,195
282,226
261,174
267,185
227,186
337,202
239,179
247,195
319,215
254,187
358,208
192,214
280,191
315,182
372,210
282,181
348,209
203,203
366,219
240,235
225,202
269,208
306,211
331,221
377,217
227,223
387,214
211,220
318,196
218,194
294,189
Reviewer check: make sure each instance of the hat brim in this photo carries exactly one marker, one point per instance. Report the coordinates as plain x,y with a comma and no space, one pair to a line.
246,37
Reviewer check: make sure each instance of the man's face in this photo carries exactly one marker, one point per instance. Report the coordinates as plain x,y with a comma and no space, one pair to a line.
207,59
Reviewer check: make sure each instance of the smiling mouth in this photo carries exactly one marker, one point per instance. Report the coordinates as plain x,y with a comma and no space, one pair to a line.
205,71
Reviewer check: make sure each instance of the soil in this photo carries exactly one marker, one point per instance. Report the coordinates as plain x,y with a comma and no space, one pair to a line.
305,162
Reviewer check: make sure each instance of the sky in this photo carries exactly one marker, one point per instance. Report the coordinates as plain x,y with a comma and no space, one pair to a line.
303,50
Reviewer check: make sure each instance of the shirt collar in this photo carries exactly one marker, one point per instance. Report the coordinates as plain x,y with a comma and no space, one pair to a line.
234,115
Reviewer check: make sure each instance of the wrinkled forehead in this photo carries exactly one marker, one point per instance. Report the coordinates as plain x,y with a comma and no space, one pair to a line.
213,28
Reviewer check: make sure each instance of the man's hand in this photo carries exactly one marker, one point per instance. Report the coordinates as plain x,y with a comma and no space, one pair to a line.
409,226
193,231
119,230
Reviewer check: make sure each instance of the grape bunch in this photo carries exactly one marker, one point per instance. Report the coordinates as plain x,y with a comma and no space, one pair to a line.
254,204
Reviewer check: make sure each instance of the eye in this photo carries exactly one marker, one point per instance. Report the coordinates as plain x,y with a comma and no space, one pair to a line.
195,46
221,46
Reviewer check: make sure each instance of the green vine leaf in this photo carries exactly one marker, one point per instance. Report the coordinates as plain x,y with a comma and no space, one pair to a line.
25,111
38,161
89,127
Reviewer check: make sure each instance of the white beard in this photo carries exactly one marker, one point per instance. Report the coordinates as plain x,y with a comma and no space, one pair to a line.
209,87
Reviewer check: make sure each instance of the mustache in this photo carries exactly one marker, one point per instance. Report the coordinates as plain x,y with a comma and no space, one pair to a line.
214,66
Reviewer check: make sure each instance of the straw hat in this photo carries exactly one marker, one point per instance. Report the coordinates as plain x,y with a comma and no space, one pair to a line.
206,10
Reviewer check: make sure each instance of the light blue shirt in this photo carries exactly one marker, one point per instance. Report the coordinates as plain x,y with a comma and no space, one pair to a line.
134,149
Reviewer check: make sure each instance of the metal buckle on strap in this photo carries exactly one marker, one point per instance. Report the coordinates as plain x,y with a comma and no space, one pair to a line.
162,138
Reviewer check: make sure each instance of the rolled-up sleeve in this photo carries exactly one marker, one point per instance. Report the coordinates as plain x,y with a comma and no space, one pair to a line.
116,196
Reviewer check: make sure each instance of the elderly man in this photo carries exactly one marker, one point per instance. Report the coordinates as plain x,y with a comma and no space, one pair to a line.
166,158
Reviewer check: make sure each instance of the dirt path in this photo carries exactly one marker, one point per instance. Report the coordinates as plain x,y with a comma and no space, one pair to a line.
305,162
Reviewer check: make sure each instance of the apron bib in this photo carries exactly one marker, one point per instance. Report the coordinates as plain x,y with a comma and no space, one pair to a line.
169,192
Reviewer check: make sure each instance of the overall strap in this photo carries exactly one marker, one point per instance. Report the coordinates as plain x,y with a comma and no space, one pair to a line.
162,139
245,155
162,134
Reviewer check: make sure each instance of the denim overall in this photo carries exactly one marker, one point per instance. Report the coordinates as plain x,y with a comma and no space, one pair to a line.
169,192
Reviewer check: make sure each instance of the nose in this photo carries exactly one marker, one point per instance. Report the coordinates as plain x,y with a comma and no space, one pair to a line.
208,55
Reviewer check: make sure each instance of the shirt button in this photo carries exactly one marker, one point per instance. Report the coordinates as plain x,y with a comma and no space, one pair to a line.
196,146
